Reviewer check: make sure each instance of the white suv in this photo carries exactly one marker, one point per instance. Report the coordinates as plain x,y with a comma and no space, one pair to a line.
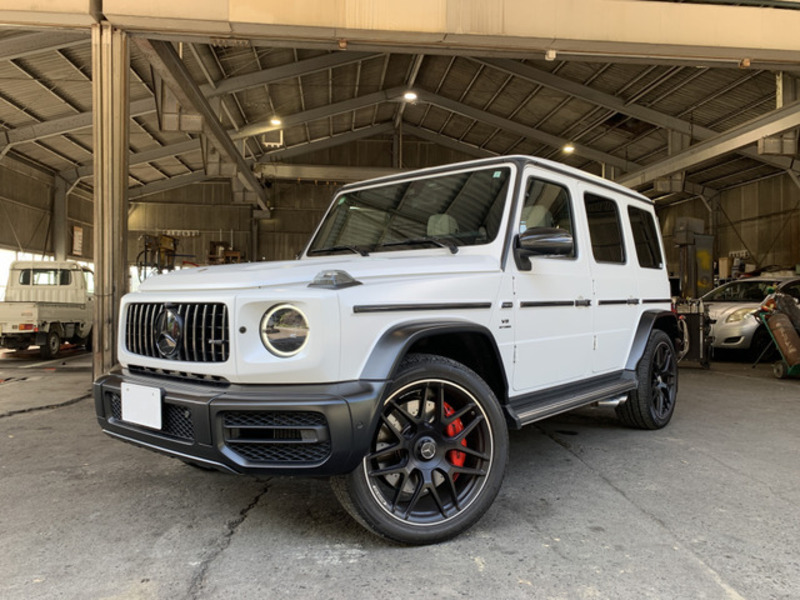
430,311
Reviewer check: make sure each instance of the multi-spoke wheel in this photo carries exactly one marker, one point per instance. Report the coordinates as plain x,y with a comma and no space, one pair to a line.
437,457
651,405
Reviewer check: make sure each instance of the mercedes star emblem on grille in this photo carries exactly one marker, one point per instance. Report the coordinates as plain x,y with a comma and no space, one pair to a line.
169,330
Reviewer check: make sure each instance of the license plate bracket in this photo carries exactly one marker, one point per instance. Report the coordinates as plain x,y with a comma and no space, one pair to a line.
141,405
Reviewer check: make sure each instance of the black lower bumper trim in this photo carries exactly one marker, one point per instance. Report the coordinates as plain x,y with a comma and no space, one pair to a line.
257,429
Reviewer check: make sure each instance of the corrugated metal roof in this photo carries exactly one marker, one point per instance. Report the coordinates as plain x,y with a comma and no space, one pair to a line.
488,109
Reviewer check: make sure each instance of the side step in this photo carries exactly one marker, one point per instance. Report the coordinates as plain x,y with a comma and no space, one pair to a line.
547,403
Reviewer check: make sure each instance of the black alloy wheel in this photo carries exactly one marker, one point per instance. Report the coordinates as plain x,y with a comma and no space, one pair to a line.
652,404
437,457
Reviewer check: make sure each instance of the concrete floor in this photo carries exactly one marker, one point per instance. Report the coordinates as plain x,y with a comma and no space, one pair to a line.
706,508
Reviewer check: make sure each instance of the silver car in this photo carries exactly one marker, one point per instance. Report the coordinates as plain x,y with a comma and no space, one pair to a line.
731,307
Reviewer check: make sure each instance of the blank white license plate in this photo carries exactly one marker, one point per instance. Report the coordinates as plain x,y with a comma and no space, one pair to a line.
141,405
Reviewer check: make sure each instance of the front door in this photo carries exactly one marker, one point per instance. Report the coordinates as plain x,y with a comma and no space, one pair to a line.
553,300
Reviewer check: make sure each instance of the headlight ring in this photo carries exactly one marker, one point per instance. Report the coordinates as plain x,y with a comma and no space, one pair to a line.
284,330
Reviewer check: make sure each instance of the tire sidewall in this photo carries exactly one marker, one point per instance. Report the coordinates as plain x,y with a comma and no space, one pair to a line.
645,375
415,368
52,345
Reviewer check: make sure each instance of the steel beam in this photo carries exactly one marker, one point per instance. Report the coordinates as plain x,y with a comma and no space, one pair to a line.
323,112
290,71
578,90
164,185
329,142
29,44
323,172
529,132
445,141
165,60
593,96
54,127
270,171
730,141
73,175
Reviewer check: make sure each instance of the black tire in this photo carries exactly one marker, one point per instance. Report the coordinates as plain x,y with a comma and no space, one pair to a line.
88,342
651,404
434,467
780,369
51,346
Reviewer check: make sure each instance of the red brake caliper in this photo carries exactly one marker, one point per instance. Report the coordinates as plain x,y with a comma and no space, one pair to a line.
455,457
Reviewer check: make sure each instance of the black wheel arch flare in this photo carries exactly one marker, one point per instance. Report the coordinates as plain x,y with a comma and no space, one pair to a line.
656,319
468,343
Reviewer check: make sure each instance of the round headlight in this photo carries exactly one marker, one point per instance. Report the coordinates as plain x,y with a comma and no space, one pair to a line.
284,330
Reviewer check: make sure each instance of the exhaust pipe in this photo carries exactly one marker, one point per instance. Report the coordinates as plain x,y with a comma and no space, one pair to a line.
612,402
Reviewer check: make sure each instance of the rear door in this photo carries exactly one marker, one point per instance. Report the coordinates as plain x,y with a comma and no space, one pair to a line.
614,279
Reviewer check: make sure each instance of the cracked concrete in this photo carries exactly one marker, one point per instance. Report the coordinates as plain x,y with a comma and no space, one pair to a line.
198,581
706,508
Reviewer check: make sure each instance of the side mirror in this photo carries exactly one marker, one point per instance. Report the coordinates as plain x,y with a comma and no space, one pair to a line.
542,241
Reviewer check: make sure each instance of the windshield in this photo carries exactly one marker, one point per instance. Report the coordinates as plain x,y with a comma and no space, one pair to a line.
741,291
452,210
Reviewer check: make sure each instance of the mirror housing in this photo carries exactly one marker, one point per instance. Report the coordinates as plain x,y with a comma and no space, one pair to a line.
542,241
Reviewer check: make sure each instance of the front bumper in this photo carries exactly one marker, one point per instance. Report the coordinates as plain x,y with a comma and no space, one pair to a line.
734,336
319,429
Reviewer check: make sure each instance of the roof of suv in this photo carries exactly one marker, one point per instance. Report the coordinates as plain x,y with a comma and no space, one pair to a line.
517,158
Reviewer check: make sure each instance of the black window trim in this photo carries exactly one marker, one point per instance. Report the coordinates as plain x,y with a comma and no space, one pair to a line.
620,228
525,178
652,221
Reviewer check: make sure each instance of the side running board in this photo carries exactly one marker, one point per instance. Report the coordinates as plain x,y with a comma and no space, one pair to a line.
547,403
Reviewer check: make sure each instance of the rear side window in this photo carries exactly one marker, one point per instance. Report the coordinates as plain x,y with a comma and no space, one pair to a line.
605,229
645,236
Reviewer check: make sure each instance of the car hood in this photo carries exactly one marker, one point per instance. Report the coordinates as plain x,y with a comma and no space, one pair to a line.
302,272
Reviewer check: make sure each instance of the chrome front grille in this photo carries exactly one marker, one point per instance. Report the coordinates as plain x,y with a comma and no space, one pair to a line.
204,331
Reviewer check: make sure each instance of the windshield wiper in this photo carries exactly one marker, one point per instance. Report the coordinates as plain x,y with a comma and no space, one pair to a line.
353,249
425,240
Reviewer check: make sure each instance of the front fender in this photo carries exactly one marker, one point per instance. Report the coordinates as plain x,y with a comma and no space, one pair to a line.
393,345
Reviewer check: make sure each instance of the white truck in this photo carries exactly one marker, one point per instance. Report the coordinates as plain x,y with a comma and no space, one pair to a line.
46,304
429,312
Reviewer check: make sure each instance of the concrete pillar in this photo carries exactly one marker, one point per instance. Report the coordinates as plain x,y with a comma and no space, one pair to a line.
110,69
60,237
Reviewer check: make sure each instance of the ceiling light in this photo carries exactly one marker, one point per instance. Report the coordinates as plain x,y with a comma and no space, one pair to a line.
550,54
275,121
410,96
568,149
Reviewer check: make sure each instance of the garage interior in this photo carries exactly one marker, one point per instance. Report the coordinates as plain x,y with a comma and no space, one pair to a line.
229,125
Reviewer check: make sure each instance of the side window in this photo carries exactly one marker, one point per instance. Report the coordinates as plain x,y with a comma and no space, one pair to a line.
604,229
546,205
645,236
89,277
